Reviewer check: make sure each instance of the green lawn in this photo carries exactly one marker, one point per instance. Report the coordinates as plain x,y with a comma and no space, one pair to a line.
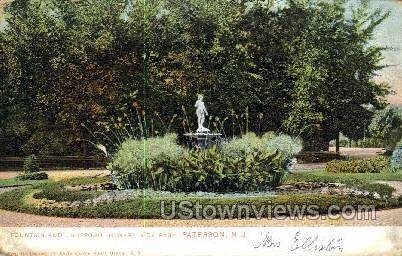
15,182
346,178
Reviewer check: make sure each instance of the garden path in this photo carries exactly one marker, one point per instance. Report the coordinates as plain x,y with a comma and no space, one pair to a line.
59,174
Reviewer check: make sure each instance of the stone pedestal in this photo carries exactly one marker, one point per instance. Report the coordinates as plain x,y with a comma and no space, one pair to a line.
203,140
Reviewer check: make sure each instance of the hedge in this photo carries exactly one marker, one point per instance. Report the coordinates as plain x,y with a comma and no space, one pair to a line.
33,176
372,165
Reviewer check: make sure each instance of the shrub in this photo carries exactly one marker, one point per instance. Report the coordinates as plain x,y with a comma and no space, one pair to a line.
243,164
396,158
31,164
237,147
137,162
268,157
268,143
385,125
372,165
33,176
285,144
211,170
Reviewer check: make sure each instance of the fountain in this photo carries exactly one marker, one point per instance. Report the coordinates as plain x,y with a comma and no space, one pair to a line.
202,138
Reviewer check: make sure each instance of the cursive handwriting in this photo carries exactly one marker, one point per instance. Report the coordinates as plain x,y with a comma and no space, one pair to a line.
301,242
315,243
268,242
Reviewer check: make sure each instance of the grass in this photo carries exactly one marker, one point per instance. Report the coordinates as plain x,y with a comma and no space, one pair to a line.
346,178
76,181
16,182
56,192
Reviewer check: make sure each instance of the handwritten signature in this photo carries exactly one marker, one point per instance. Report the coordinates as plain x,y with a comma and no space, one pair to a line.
302,242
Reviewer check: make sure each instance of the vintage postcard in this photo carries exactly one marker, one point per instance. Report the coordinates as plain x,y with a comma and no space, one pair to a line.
200,127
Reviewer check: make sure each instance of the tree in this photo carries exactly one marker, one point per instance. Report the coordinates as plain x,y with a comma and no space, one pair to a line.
68,70
75,69
386,126
344,63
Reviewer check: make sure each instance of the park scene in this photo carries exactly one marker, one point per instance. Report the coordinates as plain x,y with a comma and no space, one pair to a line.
113,112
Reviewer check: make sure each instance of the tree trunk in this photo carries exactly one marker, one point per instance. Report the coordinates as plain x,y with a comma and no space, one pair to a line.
337,143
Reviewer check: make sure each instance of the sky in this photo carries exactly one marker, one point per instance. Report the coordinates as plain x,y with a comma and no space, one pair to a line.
389,34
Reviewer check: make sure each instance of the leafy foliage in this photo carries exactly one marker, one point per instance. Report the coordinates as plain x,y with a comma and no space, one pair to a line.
31,164
372,165
138,162
386,125
16,200
244,164
72,66
31,170
33,176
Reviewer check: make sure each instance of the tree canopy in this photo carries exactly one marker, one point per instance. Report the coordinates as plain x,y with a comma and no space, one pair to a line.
71,70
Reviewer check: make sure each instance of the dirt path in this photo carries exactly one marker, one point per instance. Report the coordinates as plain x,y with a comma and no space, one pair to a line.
59,174
359,152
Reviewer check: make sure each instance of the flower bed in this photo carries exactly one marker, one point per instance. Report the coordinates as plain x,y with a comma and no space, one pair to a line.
248,163
53,199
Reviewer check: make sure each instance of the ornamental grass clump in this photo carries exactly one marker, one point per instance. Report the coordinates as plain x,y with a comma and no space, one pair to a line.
285,144
145,163
237,147
268,142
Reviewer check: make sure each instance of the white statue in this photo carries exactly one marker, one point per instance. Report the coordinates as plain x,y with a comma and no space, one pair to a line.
201,113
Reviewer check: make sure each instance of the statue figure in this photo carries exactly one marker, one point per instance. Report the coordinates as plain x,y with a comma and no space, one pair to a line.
201,113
